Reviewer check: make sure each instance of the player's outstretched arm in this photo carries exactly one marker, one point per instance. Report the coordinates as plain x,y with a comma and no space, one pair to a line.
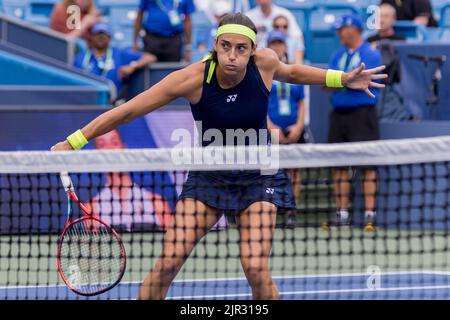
182,83
359,79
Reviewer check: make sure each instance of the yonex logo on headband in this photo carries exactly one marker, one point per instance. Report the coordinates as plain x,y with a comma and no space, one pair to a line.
237,29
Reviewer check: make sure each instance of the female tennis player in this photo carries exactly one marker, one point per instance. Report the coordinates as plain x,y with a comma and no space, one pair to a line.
229,91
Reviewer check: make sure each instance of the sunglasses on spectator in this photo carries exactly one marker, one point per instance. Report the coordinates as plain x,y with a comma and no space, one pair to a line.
280,26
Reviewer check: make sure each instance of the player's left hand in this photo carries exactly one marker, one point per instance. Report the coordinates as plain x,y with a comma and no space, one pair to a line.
62,146
361,79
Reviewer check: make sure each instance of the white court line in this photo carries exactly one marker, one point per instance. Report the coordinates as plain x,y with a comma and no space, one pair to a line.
335,275
314,292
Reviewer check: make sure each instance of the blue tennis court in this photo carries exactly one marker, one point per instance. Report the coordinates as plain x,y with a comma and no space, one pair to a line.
307,263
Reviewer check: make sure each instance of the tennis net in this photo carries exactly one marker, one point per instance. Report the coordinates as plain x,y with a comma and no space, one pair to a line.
400,187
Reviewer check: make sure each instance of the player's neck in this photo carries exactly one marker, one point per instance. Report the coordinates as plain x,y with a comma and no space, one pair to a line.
226,81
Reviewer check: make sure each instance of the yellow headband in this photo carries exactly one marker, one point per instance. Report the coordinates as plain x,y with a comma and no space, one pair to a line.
237,29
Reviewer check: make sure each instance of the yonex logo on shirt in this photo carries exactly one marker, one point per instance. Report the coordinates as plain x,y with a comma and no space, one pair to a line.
232,98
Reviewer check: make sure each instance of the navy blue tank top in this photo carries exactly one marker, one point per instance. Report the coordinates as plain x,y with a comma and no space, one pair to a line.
241,107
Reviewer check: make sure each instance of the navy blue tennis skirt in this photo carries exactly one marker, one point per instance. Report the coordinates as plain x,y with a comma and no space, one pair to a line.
236,190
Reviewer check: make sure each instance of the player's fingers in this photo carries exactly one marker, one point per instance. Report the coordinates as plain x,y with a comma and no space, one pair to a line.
377,69
370,93
377,85
379,76
360,69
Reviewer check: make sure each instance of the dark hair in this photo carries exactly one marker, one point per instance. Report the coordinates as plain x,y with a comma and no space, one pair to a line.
235,18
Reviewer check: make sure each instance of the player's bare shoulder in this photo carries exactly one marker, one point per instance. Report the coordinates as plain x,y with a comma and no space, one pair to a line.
266,60
194,73
189,81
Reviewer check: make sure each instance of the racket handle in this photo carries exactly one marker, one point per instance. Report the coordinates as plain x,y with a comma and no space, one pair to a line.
66,182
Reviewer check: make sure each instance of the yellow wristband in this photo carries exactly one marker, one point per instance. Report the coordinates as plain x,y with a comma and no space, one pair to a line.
334,79
77,140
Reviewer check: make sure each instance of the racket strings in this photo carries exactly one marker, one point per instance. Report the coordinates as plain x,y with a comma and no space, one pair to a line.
91,257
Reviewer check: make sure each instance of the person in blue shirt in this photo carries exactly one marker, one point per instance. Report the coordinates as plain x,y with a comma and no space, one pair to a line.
354,118
111,63
286,112
165,24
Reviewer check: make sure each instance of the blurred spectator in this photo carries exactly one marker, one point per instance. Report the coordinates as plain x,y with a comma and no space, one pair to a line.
286,112
210,7
381,41
295,49
203,5
219,9
354,118
236,5
388,18
166,22
391,105
264,14
111,63
419,11
122,202
63,19
286,105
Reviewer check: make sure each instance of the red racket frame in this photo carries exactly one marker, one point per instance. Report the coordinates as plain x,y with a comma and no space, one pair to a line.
88,216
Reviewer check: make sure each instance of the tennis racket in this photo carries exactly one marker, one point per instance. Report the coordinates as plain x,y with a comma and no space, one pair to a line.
91,256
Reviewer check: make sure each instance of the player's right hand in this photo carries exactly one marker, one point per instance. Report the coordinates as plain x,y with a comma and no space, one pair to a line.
62,146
